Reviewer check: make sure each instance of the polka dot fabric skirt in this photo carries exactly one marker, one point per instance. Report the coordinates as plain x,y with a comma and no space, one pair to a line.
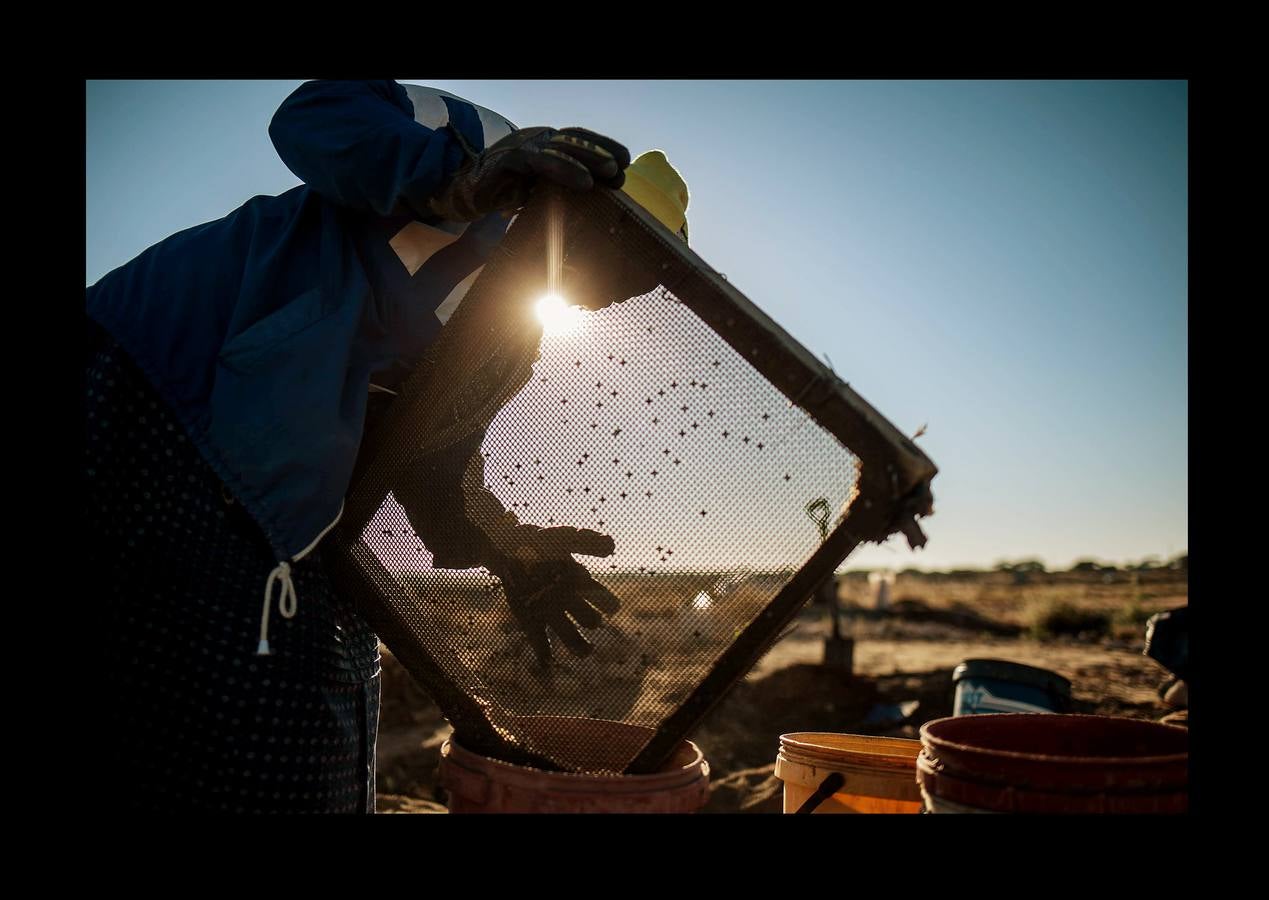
199,722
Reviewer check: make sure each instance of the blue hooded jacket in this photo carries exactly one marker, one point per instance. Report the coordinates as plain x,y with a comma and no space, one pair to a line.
262,330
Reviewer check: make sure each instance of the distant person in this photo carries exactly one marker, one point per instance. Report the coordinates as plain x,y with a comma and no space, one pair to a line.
229,372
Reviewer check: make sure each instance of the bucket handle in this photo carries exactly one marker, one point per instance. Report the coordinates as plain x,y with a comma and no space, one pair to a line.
828,787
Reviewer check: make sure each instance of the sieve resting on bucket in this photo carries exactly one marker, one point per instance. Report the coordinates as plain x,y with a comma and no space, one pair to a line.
594,507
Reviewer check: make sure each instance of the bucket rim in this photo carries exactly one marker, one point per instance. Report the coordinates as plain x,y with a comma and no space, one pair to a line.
900,749
934,742
1006,669
457,752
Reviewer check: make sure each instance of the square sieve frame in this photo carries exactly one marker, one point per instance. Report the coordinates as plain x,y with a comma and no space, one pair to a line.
894,475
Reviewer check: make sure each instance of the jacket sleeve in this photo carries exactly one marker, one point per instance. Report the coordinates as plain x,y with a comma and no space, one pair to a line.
451,510
357,143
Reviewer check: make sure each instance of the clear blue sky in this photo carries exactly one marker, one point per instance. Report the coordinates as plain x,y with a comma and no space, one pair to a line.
1005,262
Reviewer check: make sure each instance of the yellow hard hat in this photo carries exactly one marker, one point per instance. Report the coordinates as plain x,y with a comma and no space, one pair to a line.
659,188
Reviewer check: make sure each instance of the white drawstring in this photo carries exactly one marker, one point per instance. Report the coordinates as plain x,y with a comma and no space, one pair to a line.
286,603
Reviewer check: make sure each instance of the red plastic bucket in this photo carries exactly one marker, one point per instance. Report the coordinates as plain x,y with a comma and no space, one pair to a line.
1037,763
478,784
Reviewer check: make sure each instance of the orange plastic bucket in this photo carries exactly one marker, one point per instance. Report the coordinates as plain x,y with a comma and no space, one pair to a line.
825,772
478,784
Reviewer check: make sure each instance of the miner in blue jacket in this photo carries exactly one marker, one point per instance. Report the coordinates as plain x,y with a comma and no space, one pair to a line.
228,376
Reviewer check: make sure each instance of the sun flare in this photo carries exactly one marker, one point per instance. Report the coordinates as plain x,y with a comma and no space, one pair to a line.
557,317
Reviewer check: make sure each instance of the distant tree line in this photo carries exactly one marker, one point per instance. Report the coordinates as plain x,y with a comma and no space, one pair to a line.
1023,568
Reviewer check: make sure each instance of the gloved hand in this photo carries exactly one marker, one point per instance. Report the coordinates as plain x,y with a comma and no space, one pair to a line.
598,272
545,585
502,177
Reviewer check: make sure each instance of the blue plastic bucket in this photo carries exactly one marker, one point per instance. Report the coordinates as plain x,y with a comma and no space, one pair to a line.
1000,686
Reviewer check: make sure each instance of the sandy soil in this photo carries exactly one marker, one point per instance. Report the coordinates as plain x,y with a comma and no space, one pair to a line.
902,655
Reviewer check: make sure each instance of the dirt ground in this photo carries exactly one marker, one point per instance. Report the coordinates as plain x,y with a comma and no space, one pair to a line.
902,654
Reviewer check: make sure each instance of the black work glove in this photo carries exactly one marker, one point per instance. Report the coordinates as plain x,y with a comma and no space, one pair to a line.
547,589
598,272
501,178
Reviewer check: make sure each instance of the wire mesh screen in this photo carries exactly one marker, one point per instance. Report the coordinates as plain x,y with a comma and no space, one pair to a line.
607,511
